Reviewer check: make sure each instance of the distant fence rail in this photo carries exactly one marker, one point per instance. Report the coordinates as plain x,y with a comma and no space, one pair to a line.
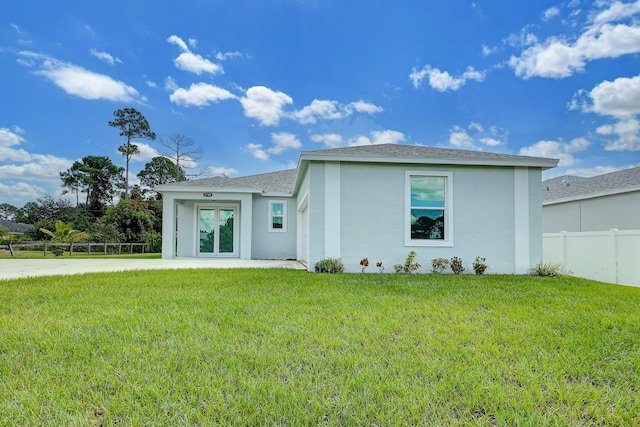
608,256
89,248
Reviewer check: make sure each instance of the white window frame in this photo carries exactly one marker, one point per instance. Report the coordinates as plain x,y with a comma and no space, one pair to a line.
448,209
284,216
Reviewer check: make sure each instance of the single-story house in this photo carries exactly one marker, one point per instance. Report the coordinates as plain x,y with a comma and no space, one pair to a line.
600,203
377,201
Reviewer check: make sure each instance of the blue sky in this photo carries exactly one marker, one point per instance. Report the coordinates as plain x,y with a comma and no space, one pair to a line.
254,82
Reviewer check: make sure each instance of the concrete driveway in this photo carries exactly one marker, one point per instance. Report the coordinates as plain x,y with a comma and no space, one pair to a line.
16,268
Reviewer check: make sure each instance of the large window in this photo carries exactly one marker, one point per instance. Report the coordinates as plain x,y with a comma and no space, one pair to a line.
428,210
277,216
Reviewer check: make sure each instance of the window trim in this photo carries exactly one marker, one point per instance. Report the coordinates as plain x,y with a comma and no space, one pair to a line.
284,216
448,209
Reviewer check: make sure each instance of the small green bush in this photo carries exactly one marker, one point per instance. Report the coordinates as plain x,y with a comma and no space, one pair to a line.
479,265
409,264
330,265
546,270
456,265
439,265
57,250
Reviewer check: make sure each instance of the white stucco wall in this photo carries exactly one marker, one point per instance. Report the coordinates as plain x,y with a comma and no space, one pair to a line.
618,211
269,244
372,216
187,203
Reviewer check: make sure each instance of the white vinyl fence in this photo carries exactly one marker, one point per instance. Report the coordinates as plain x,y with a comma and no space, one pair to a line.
608,256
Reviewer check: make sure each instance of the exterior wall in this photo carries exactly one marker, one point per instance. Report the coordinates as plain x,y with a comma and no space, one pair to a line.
597,214
186,203
561,217
268,244
372,216
316,228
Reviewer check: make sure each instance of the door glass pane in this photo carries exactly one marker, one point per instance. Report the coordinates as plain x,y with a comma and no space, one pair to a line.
207,230
226,230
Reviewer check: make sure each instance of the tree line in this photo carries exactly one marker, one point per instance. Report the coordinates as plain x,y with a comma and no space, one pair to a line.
96,182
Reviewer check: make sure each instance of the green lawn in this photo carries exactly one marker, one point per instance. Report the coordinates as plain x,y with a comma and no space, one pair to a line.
281,347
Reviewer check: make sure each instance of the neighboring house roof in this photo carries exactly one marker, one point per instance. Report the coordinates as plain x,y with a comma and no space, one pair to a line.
568,188
14,227
284,182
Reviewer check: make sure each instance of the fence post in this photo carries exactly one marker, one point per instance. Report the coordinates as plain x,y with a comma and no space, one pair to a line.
614,251
45,249
563,243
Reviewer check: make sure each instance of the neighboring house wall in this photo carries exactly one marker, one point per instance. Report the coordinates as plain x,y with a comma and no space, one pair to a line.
268,243
372,216
620,211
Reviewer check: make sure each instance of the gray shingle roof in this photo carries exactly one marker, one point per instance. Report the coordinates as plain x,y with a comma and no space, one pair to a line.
271,182
407,151
564,187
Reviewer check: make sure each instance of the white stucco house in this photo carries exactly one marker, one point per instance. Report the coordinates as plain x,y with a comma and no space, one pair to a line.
599,203
377,201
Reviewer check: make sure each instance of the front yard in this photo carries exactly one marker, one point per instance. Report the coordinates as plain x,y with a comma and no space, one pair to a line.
281,347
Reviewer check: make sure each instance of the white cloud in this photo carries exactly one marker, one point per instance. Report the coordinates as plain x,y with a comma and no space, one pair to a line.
151,84
77,81
42,168
106,57
550,13
562,151
283,141
265,104
257,151
619,98
480,135
486,50
20,191
178,42
228,55
200,94
330,140
332,110
365,107
170,84
559,57
442,81
219,170
192,62
147,152
378,137
627,133
459,138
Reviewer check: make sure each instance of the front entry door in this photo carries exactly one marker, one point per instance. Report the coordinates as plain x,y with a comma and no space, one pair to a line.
217,231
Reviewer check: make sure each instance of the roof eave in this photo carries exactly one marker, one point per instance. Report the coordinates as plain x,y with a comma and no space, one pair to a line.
204,188
543,163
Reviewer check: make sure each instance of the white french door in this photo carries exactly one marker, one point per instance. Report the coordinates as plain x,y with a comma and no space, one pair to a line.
217,231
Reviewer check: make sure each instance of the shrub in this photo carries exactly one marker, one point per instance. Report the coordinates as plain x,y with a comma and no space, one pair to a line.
409,264
438,265
546,270
330,265
456,265
364,262
57,250
479,266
